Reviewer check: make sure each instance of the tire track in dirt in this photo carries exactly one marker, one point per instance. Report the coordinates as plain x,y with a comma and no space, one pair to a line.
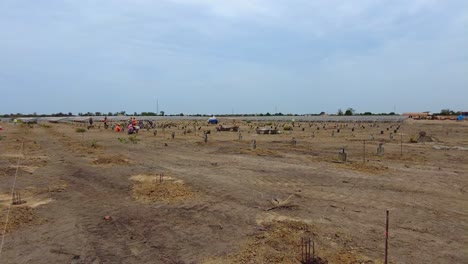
98,195
96,190
235,190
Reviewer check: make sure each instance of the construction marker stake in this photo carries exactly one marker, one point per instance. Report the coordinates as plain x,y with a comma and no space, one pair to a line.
386,239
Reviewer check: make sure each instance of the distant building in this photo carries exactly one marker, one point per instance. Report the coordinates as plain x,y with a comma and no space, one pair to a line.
417,115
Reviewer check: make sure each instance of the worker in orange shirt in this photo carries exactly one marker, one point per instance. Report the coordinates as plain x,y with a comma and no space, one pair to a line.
118,128
134,121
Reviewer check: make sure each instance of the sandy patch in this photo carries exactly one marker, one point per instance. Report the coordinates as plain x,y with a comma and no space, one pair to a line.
363,167
279,241
262,152
35,204
111,160
149,189
20,217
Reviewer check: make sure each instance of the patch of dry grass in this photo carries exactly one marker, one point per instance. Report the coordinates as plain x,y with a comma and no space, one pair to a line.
280,242
111,160
20,217
148,189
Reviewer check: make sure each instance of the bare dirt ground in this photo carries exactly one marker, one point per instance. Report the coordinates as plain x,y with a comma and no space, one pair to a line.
223,202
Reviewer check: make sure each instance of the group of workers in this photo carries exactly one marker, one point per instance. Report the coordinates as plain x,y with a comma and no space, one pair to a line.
131,129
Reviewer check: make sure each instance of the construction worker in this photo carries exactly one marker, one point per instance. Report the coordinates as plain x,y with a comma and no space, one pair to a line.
130,130
105,122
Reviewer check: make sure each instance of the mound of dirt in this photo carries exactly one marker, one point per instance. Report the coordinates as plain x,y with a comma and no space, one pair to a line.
167,191
59,186
247,151
20,217
112,160
363,167
280,242
262,152
275,242
11,170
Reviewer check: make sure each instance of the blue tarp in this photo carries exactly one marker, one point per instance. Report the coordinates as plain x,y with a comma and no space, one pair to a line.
212,120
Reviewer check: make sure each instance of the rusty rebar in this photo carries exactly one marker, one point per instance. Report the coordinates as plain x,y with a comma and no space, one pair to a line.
386,238
17,198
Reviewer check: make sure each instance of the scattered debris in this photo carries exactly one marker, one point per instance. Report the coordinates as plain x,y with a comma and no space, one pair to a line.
440,147
279,204
234,128
267,131
112,160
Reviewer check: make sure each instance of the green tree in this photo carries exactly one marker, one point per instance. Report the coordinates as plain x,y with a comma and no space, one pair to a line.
446,112
340,112
161,113
349,112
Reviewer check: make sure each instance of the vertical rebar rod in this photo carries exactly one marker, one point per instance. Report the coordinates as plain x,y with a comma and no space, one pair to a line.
302,250
364,151
386,239
313,249
401,146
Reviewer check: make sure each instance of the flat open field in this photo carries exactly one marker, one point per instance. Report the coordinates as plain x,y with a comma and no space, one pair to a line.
183,200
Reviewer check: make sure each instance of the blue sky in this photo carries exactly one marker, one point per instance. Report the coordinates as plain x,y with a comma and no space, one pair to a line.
246,56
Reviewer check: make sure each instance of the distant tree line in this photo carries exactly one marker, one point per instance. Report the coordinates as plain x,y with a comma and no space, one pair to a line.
60,114
351,112
347,112
121,113
446,112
